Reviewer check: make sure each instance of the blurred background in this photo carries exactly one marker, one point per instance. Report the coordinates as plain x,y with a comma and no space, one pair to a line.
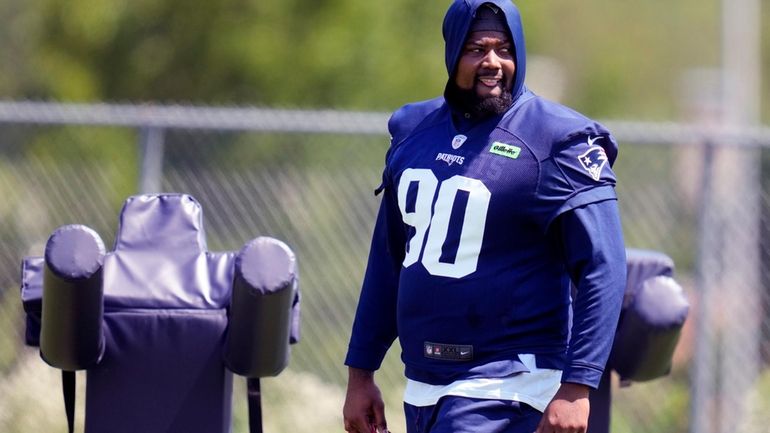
272,114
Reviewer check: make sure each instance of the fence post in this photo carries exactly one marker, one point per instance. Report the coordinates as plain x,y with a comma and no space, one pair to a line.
702,380
151,144
740,198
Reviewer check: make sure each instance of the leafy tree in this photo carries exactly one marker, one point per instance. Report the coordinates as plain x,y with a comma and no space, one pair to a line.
621,60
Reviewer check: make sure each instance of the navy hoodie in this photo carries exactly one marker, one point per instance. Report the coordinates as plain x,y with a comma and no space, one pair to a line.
483,230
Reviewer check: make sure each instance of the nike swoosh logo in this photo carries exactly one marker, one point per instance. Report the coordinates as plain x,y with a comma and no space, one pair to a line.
592,140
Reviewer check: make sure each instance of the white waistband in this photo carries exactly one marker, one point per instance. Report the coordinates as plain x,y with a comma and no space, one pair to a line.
535,388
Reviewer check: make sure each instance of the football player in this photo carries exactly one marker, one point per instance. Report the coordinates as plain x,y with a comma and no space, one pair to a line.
495,202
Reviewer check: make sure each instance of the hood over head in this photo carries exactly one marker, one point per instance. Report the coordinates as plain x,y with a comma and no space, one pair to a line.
457,23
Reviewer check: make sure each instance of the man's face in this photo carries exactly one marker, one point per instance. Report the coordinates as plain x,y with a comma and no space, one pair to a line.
486,64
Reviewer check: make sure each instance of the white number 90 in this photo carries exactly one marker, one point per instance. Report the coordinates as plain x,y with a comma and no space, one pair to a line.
436,222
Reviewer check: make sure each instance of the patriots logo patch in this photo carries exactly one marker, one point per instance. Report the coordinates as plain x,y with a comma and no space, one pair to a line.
594,159
450,159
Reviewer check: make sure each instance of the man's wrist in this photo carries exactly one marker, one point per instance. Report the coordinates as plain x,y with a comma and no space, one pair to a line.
573,391
359,374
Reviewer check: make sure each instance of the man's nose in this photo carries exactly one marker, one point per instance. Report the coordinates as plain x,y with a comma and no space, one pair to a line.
491,60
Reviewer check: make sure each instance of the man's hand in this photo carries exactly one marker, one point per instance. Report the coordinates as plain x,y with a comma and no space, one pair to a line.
364,410
567,412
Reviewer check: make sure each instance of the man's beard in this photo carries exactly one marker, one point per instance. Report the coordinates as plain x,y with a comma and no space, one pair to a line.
470,102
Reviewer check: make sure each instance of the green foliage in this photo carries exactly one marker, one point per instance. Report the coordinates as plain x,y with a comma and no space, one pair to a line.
10,315
621,59
231,51
653,407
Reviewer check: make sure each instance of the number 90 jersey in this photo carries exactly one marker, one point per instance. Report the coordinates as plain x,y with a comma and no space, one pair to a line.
464,268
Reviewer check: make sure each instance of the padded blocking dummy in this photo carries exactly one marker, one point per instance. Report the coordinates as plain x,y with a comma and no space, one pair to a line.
651,321
72,338
260,311
160,356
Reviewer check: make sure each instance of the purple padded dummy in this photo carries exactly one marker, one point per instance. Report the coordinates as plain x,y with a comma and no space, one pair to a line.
653,314
654,311
74,256
165,322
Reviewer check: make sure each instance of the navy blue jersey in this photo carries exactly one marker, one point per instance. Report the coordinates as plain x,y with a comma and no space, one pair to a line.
481,230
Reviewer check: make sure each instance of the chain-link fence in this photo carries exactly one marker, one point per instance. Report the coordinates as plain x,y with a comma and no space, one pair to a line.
698,195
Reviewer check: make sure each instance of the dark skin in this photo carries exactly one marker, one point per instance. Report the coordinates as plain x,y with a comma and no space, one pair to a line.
568,410
364,410
487,66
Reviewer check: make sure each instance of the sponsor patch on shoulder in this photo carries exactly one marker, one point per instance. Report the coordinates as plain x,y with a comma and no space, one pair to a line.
594,159
448,352
507,150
